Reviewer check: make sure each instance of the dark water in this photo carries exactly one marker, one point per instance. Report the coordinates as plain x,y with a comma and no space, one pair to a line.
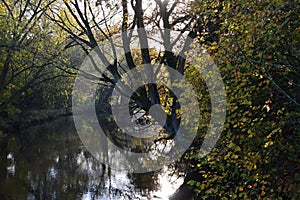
50,162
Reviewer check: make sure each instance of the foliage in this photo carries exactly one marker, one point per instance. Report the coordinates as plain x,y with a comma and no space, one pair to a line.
257,52
31,60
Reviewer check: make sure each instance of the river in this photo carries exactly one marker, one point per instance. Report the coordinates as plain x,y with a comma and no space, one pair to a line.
50,162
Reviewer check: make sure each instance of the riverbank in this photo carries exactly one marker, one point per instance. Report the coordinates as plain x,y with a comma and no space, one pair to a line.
32,118
39,117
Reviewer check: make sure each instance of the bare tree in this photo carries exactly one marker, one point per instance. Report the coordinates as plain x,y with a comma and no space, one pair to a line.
89,22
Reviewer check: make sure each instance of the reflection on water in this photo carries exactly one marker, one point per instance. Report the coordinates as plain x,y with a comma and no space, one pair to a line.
50,162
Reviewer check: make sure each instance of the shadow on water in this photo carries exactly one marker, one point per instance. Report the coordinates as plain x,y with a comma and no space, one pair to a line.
50,162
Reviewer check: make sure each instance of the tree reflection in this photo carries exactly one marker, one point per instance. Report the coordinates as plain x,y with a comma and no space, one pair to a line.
50,162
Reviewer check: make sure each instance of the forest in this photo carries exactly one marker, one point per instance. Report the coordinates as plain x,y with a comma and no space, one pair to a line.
254,46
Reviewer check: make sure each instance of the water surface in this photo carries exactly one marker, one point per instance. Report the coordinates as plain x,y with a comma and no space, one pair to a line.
50,162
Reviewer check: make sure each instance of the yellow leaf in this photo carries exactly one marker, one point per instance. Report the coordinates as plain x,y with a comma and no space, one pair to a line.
237,148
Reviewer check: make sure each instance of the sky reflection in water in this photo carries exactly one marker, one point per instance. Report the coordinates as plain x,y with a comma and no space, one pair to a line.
51,163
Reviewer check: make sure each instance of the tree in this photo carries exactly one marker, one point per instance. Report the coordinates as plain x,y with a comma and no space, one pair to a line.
31,50
256,49
88,25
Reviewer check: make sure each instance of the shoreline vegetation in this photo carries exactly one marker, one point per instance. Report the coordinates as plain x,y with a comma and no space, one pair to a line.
32,118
